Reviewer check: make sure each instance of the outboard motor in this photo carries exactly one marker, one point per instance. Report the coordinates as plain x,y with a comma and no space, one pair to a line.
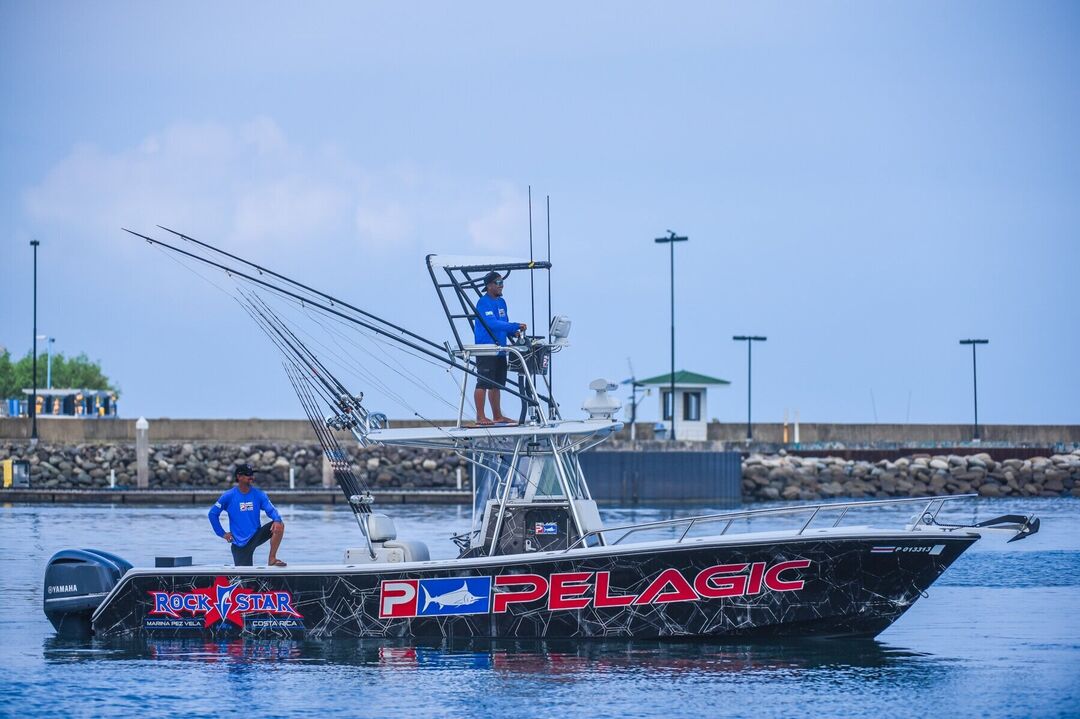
76,582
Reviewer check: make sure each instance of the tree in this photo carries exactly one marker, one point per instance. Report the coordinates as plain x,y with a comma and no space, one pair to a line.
79,372
9,380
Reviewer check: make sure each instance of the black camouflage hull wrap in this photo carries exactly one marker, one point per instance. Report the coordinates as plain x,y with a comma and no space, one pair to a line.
805,587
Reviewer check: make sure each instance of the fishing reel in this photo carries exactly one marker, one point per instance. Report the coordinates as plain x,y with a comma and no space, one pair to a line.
348,403
342,422
362,500
352,413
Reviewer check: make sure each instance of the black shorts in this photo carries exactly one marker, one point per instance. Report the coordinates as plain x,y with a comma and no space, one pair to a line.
245,556
492,371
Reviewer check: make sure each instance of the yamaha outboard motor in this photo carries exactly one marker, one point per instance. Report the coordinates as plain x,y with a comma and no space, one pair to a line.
76,582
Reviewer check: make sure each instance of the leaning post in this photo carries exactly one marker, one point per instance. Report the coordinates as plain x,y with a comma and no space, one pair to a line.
142,453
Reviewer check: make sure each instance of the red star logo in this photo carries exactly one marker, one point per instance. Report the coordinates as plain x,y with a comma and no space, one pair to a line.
222,596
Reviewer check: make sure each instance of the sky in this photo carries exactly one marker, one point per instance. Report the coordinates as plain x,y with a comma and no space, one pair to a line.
864,183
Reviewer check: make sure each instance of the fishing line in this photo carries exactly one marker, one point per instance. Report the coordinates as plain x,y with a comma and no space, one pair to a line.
389,363
294,347
306,288
405,374
381,330
290,351
372,379
310,356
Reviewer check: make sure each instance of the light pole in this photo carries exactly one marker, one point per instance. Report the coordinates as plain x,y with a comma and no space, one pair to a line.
749,340
975,380
48,366
671,239
33,395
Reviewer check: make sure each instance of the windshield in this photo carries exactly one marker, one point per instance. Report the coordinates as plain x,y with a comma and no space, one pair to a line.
532,478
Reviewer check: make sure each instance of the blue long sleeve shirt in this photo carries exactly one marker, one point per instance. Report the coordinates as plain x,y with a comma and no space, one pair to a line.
244,512
493,313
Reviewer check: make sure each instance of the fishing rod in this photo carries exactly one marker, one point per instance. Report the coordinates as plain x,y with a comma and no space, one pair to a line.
354,489
273,329
263,324
302,386
348,410
301,285
440,356
306,354
350,484
310,406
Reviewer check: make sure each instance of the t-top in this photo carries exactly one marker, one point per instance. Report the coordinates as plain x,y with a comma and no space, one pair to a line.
244,512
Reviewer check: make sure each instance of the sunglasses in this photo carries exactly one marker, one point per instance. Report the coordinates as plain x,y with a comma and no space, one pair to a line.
498,282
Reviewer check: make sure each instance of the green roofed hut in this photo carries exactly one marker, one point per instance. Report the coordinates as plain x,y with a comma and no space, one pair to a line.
691,398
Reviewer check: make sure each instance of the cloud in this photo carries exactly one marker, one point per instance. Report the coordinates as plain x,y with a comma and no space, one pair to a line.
249,185
500,228
242,183
385,225
288,207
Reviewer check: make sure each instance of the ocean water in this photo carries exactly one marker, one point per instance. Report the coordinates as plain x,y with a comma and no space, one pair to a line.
998,636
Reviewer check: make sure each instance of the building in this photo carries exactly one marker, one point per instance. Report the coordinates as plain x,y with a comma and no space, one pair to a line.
691,399
77,403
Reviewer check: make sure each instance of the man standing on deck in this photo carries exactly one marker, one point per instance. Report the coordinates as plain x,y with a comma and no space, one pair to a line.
245,504
491,315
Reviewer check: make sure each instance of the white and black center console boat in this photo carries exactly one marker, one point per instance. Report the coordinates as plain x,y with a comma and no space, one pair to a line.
537,561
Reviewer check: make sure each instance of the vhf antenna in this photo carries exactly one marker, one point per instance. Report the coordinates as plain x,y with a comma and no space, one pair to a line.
532,279
551,357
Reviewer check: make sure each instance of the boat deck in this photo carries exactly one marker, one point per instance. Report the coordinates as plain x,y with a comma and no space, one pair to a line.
858,533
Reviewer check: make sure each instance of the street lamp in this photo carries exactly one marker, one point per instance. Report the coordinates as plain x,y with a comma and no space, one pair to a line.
33,395
975,380
749,340
671,239
48,366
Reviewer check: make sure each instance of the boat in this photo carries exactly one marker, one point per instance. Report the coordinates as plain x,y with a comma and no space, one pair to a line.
537,562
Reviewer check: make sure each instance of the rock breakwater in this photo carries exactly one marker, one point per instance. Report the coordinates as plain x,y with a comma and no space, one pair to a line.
919,475
204,466
764,477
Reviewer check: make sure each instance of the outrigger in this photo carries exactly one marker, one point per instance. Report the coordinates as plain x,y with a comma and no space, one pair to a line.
537,561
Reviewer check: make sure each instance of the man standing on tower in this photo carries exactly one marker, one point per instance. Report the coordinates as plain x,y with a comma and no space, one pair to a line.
492,327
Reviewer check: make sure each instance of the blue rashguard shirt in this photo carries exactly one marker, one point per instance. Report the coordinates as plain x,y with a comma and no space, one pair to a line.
493,311
244,512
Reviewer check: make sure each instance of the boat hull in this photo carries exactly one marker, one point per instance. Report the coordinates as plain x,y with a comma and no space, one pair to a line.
790,588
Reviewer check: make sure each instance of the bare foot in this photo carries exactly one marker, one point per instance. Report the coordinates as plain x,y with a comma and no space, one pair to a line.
484,422
505,420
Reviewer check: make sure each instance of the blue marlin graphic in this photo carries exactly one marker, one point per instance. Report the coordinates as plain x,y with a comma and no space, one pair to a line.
457,598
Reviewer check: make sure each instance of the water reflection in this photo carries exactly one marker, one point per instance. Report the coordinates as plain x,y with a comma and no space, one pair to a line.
527,657
1003,612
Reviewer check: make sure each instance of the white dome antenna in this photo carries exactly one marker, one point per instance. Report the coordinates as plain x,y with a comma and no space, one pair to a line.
602,405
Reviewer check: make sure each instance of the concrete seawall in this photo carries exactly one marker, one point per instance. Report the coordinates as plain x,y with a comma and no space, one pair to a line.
72,431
